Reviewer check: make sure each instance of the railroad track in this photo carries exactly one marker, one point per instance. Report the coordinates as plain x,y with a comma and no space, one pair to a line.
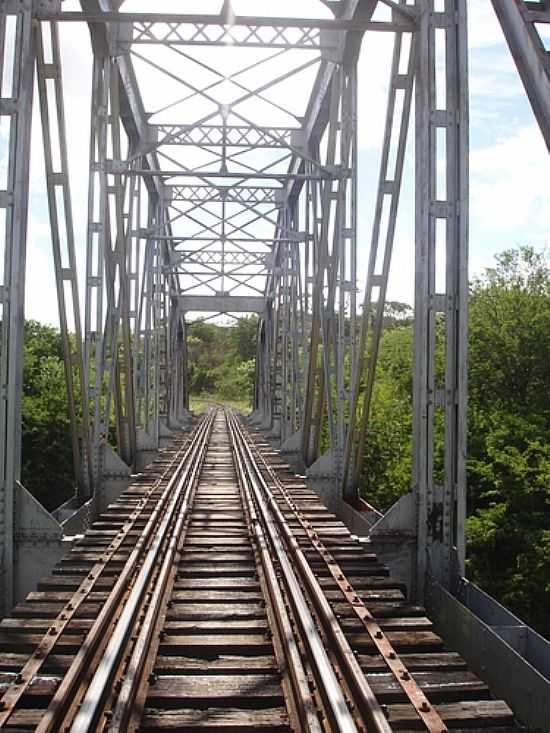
218,594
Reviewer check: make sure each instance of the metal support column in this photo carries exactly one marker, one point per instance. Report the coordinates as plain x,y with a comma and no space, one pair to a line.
441,290
16,89
63,243
383,234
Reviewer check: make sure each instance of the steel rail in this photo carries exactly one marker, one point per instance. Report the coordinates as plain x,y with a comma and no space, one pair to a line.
331,691
363,696
100,685
427,713
81,665
13,694
136,676
302,699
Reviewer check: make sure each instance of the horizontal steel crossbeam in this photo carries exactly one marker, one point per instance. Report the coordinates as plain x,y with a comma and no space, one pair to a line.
222,303
233,136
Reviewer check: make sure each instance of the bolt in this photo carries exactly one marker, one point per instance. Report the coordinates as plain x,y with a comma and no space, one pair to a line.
405,676
379,635
425,707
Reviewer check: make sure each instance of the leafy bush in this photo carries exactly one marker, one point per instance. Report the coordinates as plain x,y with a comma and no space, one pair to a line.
508,529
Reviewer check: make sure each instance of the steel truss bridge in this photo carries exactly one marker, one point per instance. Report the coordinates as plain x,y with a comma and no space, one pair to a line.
223,180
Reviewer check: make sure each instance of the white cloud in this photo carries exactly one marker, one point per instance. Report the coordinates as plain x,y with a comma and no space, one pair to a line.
510,184
483,27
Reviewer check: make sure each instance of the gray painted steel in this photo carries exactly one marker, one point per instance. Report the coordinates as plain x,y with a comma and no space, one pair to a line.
512,658
264,222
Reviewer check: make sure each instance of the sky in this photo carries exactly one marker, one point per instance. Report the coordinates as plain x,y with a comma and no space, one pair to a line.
509,163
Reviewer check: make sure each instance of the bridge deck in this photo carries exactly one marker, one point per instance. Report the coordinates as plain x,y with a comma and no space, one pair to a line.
217,640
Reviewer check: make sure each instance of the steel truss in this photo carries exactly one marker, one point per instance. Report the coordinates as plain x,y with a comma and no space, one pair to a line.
229,197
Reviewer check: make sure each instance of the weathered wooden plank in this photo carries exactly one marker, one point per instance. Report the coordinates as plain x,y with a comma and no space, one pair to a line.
215,555
208,645
417,623
228,664
401,640
217,626
441,685
208,570
221,596
274,720
230,583
479,714
222,612
242,690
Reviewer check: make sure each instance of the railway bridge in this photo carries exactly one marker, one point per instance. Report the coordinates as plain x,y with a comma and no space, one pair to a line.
217,572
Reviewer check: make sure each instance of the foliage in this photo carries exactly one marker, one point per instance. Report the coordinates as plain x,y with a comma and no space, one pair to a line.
46,446
509,434
222,360
388,449
508,529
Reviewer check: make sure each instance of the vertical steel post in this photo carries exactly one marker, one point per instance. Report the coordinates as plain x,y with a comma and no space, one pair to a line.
441,289
95,249
333,319
16,88
63,243
383,234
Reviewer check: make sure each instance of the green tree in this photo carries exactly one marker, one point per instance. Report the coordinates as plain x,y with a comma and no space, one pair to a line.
509,433
222,359
508,529
243,338
387,464
47,469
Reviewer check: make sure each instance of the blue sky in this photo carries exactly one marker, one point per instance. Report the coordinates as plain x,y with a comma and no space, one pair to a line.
509,163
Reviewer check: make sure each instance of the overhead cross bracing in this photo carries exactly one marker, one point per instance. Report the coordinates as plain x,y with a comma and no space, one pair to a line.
222,179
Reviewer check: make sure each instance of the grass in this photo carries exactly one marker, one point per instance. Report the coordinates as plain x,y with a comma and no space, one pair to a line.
199,403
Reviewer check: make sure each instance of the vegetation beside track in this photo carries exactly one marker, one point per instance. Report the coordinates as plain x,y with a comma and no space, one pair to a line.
508,528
